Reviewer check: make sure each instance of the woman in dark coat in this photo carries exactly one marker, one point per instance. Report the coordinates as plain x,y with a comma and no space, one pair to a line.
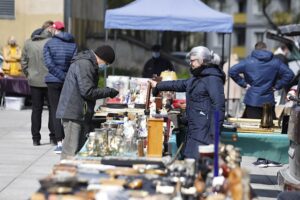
204,96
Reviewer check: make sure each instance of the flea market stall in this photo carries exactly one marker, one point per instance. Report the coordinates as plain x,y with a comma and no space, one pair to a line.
131,155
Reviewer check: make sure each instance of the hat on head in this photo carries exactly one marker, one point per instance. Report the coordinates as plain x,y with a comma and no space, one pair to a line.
105,53
58,25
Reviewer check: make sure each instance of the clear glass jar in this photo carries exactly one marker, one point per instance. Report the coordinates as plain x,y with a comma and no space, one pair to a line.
92,146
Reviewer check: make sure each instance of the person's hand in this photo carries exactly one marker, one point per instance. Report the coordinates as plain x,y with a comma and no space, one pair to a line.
153,83
113,93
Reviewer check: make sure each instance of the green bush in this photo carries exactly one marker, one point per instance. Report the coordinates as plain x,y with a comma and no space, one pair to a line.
183,74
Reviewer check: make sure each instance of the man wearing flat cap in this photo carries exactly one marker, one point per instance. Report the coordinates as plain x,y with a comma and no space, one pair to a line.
79,94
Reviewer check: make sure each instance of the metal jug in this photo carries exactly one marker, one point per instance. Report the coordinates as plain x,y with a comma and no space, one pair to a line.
267,116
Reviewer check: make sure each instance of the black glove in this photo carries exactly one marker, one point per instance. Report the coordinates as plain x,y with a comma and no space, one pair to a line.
155,91
113,93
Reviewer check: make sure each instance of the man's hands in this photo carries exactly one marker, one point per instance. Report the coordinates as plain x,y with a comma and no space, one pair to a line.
153,83
113,93
155,91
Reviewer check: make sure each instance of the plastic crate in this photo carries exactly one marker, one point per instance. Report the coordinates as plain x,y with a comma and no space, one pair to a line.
14,103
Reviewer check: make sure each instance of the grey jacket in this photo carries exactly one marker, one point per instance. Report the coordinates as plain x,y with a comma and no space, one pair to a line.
80,90
32,59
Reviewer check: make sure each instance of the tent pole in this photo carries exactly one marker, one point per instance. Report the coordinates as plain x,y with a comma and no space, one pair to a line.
228,79
106,35
115,48
223,48
106,40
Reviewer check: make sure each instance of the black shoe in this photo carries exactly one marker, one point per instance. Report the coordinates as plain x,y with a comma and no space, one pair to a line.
261,162
36,143
53,142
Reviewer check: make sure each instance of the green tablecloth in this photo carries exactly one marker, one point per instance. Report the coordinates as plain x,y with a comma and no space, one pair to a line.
272,146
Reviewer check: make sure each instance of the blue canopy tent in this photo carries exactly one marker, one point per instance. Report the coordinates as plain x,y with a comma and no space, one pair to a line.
170,15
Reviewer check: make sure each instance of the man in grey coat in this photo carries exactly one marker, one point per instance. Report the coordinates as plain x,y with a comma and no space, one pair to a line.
35,71
79,94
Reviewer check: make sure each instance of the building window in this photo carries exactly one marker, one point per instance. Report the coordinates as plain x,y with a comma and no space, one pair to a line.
7,9
242,6
240,36
258,7
259,36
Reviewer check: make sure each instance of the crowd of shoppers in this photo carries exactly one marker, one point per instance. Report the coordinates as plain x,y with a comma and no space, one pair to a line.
68,82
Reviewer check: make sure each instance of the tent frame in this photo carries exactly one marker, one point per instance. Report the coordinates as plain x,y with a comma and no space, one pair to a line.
170,29
222,61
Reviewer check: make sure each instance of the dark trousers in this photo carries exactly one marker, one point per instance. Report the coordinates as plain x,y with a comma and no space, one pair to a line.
54,90
191,147
38,97
256,112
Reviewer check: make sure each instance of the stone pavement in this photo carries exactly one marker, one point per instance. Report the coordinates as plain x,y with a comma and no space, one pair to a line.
22,164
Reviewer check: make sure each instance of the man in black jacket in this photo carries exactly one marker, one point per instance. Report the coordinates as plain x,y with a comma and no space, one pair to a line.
156,64
79,94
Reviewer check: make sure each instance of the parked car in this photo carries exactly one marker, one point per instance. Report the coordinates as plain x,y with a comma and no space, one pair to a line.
181,55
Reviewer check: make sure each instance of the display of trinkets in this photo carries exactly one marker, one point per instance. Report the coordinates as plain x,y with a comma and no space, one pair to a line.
231,155
118,138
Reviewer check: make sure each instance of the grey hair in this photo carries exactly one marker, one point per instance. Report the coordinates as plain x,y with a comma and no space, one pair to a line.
215,58
201,52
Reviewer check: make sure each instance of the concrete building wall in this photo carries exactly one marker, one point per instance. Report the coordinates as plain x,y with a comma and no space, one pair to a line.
255,24
87,18
29,15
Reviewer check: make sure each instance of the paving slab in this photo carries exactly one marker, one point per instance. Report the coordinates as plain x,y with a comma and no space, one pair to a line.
21,188
21,163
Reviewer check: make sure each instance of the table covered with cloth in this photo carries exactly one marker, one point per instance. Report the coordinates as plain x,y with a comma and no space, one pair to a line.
15,86
271,146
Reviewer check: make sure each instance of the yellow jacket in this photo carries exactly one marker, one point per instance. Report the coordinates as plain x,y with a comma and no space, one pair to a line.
12,57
